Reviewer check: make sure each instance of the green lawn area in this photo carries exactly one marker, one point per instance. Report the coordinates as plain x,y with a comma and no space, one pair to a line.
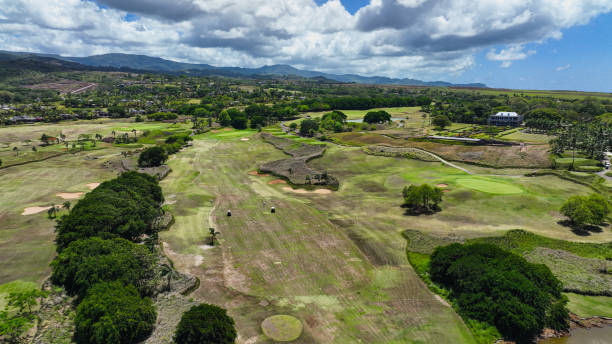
344,289
489,185
520,136
588,306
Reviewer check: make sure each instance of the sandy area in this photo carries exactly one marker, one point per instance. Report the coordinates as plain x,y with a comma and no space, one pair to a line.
206,247
92,186
244,139
69,195
302,191
442,185
36,210
277,181
255,173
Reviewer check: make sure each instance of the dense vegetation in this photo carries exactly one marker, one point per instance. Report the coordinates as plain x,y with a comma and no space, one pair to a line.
110,275
89,261
113,313
205,324
152,156
500,288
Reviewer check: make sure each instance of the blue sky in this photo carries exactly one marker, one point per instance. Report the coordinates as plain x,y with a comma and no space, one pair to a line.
536,44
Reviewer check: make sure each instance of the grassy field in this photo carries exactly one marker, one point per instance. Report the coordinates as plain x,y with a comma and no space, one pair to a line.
336,261
588,306
520,136
410,113
26,241
295,262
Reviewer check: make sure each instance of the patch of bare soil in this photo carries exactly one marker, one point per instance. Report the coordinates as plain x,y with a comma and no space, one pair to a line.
277,181
36,210
69,195
92,186
302,191
244,139
255,173
295,169
442,185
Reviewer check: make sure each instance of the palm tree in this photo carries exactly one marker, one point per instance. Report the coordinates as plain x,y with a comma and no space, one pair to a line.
52,212
66,205
213,235
16,150
134,131
113,132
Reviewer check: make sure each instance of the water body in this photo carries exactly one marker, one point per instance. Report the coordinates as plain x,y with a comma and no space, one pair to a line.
596,335
360,120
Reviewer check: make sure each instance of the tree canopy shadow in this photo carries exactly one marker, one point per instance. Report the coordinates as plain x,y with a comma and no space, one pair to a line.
584,230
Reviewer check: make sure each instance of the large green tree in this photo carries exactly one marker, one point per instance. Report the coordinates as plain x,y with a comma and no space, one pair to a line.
152,157
89,261
112,313
422,199
205,324
585,210
501,288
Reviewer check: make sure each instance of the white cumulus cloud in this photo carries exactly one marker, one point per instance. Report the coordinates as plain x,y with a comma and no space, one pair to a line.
426,39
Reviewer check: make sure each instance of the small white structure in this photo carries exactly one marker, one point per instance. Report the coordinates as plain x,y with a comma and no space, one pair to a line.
506,119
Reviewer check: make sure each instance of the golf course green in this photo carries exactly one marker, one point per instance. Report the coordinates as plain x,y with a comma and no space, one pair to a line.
489,185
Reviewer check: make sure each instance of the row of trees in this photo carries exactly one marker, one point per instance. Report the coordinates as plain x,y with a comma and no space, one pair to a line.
593,139
99,263
501,288
158,155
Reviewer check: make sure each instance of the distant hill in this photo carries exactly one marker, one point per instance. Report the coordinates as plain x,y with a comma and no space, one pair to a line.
156,64
12,65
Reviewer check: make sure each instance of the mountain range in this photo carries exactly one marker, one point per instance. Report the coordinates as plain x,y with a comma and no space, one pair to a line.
156,64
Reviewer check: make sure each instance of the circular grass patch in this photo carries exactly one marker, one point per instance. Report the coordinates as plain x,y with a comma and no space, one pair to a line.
282,328
489,186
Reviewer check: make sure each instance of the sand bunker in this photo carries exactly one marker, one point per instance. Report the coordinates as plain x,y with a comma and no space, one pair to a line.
255,173
442,185
206,247
34,210
69,195
277,181
244,139
302,191
92,186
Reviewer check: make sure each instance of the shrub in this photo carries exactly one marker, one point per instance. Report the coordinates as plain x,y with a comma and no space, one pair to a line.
112,313
152,156
162,116
89,261
501,288
205,324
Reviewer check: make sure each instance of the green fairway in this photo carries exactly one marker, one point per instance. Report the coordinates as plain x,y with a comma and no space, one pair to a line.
489,185
588,306
269,259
